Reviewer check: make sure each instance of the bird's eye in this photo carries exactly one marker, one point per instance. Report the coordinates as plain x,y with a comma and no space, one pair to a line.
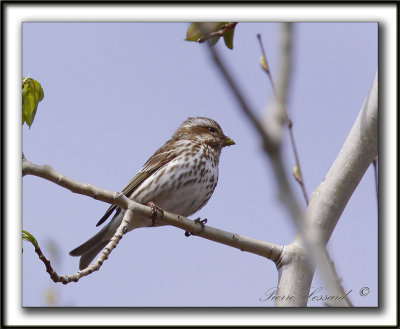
212,129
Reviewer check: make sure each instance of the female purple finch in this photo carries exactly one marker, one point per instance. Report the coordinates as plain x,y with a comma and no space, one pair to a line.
179,177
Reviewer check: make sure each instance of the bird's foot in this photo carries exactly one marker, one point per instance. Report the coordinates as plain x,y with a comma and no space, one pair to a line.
154,210
202,222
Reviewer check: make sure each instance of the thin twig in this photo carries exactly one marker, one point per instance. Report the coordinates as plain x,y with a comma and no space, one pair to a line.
266,67
299,177
220,33
65,279
299,174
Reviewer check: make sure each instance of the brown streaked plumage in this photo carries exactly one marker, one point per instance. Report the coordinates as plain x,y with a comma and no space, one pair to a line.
179,177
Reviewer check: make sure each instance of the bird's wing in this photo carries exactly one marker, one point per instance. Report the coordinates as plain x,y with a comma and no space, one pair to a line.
159,159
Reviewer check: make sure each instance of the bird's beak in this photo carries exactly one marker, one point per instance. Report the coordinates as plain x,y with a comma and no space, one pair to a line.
228,141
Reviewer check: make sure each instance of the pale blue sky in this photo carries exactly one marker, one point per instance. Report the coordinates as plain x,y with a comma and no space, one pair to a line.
115,92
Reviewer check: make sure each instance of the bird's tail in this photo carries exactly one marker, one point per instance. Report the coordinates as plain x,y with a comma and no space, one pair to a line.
95,244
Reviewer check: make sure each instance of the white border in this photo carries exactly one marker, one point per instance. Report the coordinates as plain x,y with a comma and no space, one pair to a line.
16,14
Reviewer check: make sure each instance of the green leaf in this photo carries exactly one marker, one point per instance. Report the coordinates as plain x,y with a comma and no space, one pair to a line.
32,94
196,30
29,237
193,33
228,38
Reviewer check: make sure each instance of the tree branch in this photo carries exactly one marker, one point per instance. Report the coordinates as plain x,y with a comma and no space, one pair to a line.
297,264
331,197
356,155
243,243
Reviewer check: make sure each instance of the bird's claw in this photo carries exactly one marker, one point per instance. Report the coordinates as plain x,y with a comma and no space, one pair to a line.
202,222
154,210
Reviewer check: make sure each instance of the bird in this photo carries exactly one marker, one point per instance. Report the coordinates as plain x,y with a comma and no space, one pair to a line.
179,177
